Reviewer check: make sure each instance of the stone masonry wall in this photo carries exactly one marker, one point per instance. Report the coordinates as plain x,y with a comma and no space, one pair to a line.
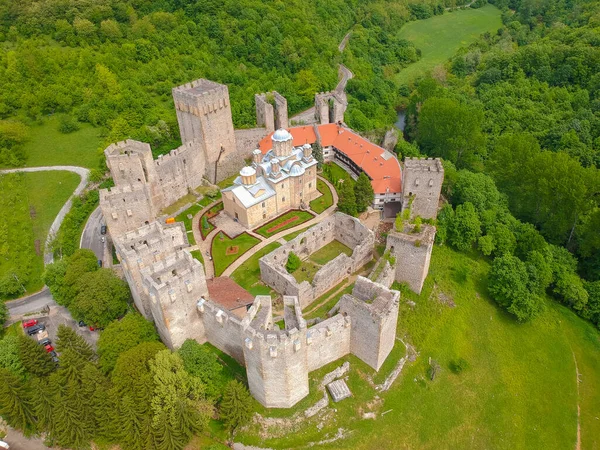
126,208
247,140
422,182
327,341
413,255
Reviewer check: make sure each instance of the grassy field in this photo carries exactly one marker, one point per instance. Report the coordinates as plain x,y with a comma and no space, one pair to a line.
248,274
34,200
49,147
518,391
301,217
306,271
329,252
323,202
439,37
222,245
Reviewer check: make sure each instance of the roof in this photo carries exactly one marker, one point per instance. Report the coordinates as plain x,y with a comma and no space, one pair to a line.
247,195
380,165
227,293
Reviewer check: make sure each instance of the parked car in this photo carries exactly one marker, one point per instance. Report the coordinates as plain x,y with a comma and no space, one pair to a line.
49,348
45,341
4,445
82,323
103,229
103,239
35,329
100,263
29,323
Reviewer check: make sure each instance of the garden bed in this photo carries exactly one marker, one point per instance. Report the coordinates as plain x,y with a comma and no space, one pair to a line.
288,220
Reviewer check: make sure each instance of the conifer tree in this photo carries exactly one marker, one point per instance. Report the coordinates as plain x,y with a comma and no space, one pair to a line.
43,399
236,406
347,200
15,401
318,153
132,425
71,427
69,340
35,359
363,191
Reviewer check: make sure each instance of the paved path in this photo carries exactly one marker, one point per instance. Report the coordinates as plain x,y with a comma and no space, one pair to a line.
34,302
91,237
327,213
83,173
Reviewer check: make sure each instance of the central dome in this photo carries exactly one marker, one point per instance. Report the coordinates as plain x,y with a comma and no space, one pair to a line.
281,135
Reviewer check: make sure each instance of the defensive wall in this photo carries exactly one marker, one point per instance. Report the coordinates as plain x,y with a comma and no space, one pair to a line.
341,227
413,254
278,361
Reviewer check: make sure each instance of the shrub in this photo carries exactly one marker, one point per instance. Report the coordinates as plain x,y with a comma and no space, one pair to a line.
67,124
293,262
458,365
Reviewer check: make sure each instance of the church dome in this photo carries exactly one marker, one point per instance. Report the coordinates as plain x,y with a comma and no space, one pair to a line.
297,170
247,171
281,135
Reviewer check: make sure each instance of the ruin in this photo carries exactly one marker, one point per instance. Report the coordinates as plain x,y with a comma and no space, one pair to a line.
340,227
422,185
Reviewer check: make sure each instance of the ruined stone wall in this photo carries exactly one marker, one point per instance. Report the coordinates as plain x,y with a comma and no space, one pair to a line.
342,227
373,310
421,186
413,255
223,329
386,275
329,107
130,162
265,113
126,208
174,286
327,341
247,140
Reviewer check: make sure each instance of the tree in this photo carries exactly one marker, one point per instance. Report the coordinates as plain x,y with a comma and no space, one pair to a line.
120,336
363,192
508,284
205,224
35,359
318,153
178,404
477,188
74,350
101,298
347,199
452,131
15,401
293,263
236,406
202,363
464,227
9,355
3,316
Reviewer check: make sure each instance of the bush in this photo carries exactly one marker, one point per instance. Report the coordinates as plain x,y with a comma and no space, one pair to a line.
67,124
293,263
458,365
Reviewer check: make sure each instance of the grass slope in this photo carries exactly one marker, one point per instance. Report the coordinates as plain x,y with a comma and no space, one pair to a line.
49,147
324,201
439,37
519,390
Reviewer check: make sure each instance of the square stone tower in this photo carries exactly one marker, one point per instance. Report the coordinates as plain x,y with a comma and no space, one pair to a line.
421,186
204,115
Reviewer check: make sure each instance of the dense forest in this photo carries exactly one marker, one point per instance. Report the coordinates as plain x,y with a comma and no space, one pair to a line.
516,117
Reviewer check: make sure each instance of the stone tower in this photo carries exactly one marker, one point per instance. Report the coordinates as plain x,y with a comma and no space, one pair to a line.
174,286
126,208
421,186
413,255
204,115
271,111
330,107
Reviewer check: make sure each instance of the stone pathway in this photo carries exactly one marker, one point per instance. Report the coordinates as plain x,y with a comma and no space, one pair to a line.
325,214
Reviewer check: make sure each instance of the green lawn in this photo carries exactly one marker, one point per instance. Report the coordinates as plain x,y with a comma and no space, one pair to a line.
323,202
302,216
221,244
518,391
439,37
34,200
208,214
289,237
47,146
306,271
322,310
248,274
335,173
198,255
329,252
173,208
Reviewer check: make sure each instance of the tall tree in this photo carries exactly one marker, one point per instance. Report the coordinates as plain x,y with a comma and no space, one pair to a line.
9,355
347,199
363,192
15,401
236,406
464,227
35,359
202,363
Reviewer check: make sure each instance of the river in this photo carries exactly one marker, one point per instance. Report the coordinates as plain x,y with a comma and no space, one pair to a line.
401,122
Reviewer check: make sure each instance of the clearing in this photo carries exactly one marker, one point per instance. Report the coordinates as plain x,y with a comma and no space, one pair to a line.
439,37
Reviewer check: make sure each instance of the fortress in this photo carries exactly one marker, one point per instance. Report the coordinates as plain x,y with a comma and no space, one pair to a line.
169,286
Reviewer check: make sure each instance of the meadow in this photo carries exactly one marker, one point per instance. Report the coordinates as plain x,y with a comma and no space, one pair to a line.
439,37
518,389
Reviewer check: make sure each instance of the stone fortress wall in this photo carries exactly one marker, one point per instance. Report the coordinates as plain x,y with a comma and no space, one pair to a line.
341,227
422,180
278,361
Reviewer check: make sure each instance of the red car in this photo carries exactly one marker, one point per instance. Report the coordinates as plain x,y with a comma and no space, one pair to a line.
29,323
49,348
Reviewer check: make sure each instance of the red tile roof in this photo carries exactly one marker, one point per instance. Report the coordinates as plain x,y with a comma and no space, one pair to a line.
227,293
384,174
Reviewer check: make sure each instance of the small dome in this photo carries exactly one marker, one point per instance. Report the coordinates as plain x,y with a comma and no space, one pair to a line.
247,171
306,146
281,135
297,170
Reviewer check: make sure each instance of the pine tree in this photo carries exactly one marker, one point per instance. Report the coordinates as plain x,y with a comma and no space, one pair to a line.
70,428
131,424
236,406
43,399
318,153
347,201
15,401
36,360
363,191
68,339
